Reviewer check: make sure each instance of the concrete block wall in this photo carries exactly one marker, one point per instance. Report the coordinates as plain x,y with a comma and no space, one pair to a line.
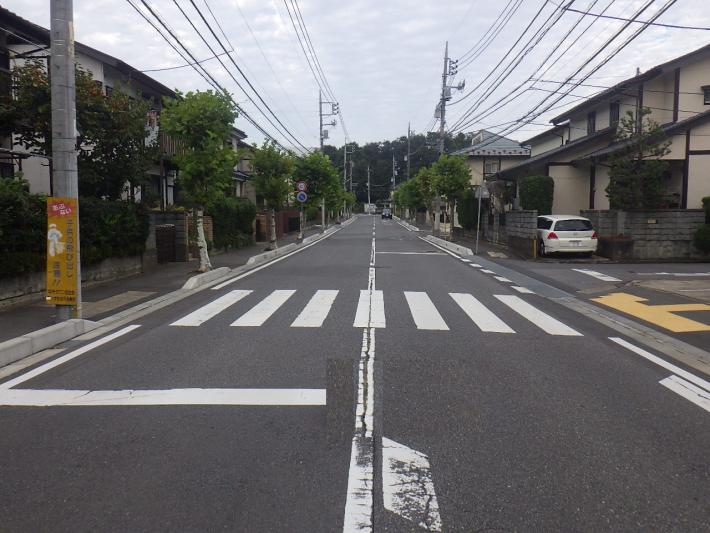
521,223
662,234
179,220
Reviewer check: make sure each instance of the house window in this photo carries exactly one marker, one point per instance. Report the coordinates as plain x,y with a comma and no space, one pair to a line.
591,122
613,113
490,167
706,94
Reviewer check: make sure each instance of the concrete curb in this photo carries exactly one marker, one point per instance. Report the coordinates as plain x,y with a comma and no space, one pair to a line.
456,248
406,224
20,347
204,278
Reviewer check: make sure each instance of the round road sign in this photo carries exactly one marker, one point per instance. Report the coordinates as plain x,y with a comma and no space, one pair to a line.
301,186
301,196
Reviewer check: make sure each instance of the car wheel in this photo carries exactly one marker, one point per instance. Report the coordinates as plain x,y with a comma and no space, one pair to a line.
541,249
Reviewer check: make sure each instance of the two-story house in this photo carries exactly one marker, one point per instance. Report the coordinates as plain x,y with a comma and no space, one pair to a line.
575,151
490,153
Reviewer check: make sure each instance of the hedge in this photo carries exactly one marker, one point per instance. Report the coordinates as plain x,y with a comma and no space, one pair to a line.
107,229
232,222
536,192
467,209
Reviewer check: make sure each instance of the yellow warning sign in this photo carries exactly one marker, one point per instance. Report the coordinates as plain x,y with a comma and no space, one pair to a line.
62,250
661,315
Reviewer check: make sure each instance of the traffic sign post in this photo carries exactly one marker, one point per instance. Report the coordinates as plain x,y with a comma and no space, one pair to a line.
481,192
301,196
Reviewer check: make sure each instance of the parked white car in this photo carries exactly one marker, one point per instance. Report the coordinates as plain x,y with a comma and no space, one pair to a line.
565,233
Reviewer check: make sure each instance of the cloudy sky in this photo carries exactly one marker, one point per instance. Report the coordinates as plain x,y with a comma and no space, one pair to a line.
383,58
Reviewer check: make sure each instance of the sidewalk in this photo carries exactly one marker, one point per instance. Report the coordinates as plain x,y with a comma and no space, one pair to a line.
111,297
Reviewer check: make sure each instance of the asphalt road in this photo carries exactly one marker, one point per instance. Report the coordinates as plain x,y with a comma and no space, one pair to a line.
423,395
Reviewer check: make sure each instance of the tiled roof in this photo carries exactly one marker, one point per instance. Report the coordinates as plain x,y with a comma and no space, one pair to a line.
493,144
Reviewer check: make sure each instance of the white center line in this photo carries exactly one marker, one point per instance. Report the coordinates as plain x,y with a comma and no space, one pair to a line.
480,314
316,311
424,313
260,313
596,274
204,313
542,320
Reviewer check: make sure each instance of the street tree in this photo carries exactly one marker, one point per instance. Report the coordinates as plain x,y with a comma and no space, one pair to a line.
272,171
202,122
637,170
451,177
111,142
322,178
425,186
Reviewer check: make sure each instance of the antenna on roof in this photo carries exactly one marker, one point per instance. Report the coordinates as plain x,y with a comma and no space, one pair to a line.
638,71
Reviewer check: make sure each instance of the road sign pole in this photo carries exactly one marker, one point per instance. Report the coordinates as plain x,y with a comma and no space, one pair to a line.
478,224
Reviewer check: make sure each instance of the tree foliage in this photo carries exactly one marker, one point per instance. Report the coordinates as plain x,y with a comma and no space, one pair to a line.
537,193
637,171
451,176
272,170
111,141
317,170
468,210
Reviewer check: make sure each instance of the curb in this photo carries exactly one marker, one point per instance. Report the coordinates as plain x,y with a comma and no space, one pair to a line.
456,248
406,224
23,346
206,277
20,347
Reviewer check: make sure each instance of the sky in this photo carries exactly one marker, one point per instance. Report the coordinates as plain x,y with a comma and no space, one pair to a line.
383,59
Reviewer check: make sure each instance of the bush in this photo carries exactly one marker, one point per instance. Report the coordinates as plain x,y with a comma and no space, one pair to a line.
107,228
701,239
111,228
312,212
536,192
232,222
23,229
706,206
468,210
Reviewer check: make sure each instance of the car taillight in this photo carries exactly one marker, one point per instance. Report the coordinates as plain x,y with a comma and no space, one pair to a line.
552,235
594,235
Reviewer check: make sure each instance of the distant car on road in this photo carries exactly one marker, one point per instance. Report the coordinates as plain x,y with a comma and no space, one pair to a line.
565,233
387,213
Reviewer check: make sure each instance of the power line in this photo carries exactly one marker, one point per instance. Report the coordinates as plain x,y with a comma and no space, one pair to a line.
470,51
183,66
196,66
663,25
221,44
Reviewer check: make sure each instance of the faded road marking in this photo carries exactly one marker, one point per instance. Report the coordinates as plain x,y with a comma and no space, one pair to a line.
660,315
596,274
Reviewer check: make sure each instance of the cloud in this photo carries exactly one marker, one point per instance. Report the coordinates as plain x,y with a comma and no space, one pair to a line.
383,60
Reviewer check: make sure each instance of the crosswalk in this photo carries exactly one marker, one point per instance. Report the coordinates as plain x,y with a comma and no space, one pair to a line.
370,311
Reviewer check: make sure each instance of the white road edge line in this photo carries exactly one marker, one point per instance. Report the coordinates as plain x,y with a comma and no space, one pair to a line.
596,274
272,262
688,391
661,362
78,398
67,357
407,485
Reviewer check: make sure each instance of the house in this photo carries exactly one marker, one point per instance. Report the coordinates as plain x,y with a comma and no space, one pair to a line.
575,151
20,38
490,153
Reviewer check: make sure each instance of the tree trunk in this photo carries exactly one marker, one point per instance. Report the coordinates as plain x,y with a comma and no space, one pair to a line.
205,264
273,242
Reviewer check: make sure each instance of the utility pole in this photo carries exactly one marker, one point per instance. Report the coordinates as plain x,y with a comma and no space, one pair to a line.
409,149
323,135
351,175
368,190
64,156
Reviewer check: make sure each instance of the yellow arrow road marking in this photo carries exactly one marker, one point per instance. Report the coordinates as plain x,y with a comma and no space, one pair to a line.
661,315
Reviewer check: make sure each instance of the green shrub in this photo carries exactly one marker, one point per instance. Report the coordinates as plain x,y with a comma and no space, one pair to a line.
111,228
312,212
536,192
701,239
232,222
467,209
706,206
23,229
107,228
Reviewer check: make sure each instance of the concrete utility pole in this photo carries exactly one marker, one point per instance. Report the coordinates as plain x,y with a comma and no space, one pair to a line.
345,174
409,149
64,165
442,131
323,134
351,175
368,189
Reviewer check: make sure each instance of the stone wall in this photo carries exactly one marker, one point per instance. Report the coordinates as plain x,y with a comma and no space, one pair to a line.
515,229
647,235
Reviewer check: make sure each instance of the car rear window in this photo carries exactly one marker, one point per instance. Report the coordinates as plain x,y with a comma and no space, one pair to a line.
573,225
544,223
